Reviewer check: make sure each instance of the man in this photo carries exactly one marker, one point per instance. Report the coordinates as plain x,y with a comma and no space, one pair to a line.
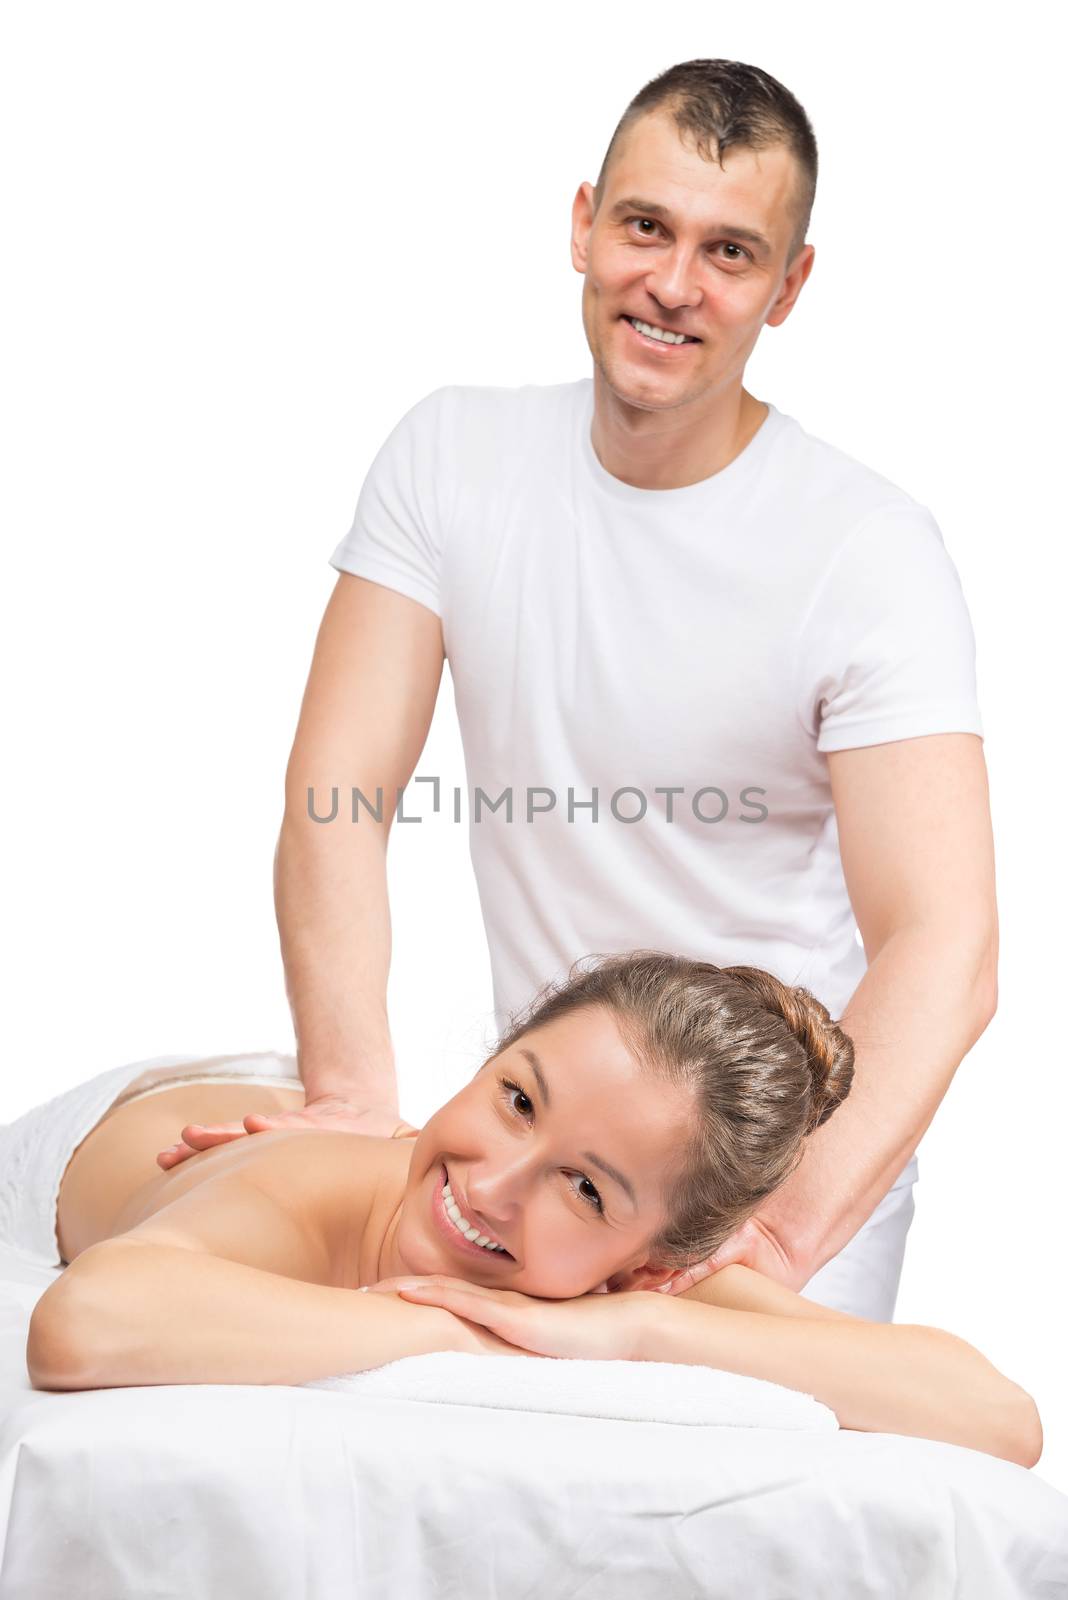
725,673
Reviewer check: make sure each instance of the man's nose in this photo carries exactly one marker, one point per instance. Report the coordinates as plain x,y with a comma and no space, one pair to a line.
674,285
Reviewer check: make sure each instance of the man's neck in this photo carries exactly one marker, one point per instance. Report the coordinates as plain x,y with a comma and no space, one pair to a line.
655,450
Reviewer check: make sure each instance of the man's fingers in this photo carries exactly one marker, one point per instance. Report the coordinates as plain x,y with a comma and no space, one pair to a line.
688,1279
195,1138
202,1136
206,1136
171,1158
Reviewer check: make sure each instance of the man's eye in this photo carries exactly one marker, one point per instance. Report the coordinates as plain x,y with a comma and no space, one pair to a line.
726,244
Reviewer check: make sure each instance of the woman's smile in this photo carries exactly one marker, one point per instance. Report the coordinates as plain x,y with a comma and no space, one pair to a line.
451,1232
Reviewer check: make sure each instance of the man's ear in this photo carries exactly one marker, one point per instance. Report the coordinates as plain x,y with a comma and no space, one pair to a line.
581,225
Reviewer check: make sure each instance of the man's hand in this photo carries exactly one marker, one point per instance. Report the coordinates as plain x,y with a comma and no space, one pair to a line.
753,1245
330,1111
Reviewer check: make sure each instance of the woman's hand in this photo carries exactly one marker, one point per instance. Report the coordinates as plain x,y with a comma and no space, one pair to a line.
330,1111
590,1327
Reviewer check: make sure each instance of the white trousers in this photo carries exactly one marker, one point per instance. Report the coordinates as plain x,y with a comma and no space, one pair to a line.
863,1277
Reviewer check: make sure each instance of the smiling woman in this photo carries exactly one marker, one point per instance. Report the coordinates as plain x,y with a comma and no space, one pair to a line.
695,1087
630,1119
627,1123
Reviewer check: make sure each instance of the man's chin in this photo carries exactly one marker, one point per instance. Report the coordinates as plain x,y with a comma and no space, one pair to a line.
633,388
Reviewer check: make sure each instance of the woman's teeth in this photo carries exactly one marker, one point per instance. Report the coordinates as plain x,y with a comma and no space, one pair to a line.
466,1228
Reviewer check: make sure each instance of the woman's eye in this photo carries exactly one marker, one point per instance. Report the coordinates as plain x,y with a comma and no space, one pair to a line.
593,1200
508,1090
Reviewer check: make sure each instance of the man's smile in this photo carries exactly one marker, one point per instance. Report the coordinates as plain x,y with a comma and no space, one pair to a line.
652,336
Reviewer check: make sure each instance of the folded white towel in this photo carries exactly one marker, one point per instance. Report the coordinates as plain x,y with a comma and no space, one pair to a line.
635,1391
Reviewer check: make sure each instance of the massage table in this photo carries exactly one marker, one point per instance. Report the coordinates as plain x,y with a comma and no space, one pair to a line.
416,1481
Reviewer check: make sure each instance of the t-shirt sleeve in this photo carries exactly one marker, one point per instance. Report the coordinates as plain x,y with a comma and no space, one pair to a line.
396,533
887,649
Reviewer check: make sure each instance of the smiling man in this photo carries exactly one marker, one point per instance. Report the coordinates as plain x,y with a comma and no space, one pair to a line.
682,272
715,679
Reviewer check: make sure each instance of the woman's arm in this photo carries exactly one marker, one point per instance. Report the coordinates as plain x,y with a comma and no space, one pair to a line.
239,1278
131,1312
877,1377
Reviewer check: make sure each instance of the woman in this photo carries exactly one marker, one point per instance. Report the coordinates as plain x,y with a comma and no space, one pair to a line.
629,1121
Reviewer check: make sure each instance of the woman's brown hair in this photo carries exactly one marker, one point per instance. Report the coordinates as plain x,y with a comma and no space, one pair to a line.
763,1061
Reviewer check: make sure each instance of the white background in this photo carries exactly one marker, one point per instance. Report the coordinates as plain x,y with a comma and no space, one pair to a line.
240,242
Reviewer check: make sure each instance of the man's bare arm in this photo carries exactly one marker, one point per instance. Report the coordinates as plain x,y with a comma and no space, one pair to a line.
918,857
363,723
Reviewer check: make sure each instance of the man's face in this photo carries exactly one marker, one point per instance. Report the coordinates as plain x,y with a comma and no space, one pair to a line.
713,265
526,1168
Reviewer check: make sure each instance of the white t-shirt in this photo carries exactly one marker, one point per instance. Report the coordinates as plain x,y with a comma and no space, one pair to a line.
717,640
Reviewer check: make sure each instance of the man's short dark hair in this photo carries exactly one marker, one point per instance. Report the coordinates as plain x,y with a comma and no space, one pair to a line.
728,105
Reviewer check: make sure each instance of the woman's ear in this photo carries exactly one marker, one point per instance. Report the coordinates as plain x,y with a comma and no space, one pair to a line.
644,1277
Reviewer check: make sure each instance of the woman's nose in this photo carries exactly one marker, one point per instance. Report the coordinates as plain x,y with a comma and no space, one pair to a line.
497,1197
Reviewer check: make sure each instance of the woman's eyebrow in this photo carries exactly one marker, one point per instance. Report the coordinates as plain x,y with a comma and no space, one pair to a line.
587,1155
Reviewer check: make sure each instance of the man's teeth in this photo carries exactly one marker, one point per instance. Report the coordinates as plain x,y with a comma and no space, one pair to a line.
657,333
465,1227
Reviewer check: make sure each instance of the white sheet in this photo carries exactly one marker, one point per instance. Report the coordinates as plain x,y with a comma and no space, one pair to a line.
622,1391
221,1492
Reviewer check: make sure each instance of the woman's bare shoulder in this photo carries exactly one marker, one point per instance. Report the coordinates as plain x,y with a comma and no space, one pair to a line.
325,1179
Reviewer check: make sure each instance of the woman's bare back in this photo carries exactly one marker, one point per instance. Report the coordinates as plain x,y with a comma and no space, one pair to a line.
112,1181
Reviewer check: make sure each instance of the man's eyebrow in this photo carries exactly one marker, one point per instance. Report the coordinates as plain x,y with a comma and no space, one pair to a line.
653,208
587,1155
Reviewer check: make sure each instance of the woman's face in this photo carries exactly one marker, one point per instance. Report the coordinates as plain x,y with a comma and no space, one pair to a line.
556,1149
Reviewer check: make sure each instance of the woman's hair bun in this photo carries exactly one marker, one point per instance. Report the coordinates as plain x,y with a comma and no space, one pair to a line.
829,1049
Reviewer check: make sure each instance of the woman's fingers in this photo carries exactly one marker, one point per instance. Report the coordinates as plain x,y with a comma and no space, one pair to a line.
492,1323
455,1294
432,1282
472,1301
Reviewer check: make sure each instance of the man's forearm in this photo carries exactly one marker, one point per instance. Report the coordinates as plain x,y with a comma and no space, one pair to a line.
332,906
923,1002
129,1313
